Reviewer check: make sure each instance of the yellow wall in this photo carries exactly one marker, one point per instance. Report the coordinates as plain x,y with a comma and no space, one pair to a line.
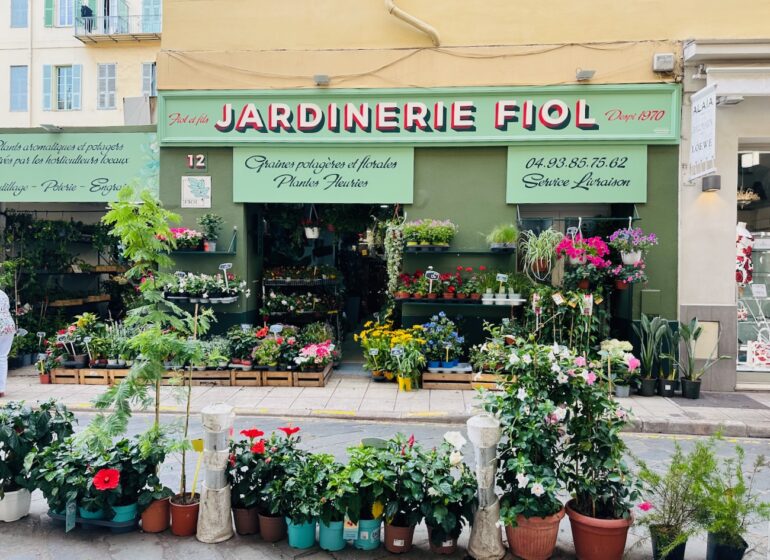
242,44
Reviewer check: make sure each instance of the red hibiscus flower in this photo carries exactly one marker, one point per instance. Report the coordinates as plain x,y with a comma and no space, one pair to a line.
279,340
289,431
411,441
232,459
482,268
253,433
258,447
107,479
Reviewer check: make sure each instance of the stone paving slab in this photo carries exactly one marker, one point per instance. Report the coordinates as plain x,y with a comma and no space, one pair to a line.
352,395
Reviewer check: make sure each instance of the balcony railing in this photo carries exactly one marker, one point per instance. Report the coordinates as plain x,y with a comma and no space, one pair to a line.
117,28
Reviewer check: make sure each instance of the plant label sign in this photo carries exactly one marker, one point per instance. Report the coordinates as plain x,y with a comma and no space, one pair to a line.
22,332
276,329
87,339
349,530
179,274
758,291
502,277
225,266
374,351
558,299
432,275
397,352
588,305
70,513
40,334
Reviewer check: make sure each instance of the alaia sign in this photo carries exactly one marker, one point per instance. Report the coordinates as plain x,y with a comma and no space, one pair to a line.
643,113
703,119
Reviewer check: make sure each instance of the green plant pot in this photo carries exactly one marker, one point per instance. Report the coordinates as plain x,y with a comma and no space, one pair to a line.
124,513
330,536
301,535
95,515
368,534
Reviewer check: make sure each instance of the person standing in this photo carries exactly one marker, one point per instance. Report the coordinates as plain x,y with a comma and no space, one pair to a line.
7,332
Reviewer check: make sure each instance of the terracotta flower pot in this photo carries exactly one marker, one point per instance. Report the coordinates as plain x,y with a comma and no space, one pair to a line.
155,518
184,517
432,295
417,296
534,538
272,527
45,378
598,539
449,295
461,295
447,546
584,284
246,521
540,266
401,295
398,539
475,297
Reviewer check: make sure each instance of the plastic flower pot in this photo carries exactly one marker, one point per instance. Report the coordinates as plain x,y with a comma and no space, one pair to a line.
45,378
184,517
404,384
434,364
666,387
398,539
720,551
449,364
301,535
598,539
534,538
95,515
648,387
622,391
660,540
584,284
630,257
272,527
368,534
246,520
122,514
691,389
621,285
447,546
330,536
155,518
15,505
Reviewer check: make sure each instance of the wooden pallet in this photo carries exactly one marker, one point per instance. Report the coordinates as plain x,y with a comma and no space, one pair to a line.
312,378
65,376
459,381
66,303
275,378
118,375
98,298
213,378
94,376
240,378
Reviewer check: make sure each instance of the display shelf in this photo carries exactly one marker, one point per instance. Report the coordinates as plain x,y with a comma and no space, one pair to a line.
461,303
300,283
189,252
458,253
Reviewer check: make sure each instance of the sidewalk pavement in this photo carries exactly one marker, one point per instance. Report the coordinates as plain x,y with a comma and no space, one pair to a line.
351,394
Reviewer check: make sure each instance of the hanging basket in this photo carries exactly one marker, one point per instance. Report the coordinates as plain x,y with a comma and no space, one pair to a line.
312,232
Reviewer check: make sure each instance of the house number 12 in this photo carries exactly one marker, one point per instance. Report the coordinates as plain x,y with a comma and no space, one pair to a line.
196,161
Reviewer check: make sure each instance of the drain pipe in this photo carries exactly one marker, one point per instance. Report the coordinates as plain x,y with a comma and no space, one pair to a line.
429,30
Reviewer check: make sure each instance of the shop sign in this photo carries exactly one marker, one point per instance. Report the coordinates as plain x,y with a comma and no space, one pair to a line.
648,113
76,166
327,175
703,118
196,191
576,173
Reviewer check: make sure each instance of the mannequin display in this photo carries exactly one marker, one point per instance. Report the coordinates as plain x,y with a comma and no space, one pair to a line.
7,331
744,242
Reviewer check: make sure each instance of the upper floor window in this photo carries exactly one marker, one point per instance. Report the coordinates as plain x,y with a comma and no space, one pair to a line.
19,85
19,13
106,86
61,87
65,13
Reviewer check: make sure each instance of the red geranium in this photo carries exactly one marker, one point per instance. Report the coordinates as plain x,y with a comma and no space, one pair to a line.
482,268
262,333
289,431
107,479
258,447
468,269
253,433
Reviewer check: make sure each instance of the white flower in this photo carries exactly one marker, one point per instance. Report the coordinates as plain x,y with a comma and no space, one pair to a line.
513,358
562,377
555,367
243,496
521,394
559,414
537,489
456,439
551,357
527,359
244,468
433,492
455,458
522,479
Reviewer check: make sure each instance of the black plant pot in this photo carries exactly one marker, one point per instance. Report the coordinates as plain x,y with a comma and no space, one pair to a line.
659,542
666,387
719,551
690,389
648,387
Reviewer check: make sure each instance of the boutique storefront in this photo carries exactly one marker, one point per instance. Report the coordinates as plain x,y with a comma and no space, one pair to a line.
578,156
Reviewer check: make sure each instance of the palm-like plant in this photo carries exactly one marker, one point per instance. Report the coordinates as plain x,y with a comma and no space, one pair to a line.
651,333
688,335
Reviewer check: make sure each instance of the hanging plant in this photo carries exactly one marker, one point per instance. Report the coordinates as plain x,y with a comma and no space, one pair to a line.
394,253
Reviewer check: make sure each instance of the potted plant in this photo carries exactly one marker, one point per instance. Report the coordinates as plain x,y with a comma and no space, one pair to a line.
187,239
360,492
407,353
278,456
450,498
632,242
538,251
243,476
651,333
59,471
267,352
24,431
673,499
503,236
620,365
627,274
336,491
441,232
403,465
211,224
686,338
730,502
302,490
154,507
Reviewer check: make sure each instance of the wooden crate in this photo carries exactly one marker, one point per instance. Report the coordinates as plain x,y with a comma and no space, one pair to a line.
312,378
485,380
65,376
273,378
98,298
66,303
214,378
459,381
251,378
118,375
94,376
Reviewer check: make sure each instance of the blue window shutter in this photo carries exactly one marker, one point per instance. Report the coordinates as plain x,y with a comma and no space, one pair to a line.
76,71
49,13
47,87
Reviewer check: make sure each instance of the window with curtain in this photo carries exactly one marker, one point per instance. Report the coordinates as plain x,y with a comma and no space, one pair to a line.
65,13
106,86
64,88
19,13
19,85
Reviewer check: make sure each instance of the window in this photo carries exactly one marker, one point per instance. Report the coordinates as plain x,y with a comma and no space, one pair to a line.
61,87
151,16
149,85
64,88
19,79
19,11
65,13
106,86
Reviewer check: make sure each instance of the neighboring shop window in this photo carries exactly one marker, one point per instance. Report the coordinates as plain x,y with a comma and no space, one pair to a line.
106,86
19,82
61,88
65,13
149,84
19,11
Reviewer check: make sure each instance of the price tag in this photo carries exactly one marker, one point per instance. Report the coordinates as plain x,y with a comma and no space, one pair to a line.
558,299
588,305
349,530
70,513
502,277
22,332
758,291
506,321
598,300
432,275
397,351
275,329
536,307
225,266
87,339
374,351
41,334
61,338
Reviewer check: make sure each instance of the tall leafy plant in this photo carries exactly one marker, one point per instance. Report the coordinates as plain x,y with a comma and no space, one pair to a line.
651,333
687,337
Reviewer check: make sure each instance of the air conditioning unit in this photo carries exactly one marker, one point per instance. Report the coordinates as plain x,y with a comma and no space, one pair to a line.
139,111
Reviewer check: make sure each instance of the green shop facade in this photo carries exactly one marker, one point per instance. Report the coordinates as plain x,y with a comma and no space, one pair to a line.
478,156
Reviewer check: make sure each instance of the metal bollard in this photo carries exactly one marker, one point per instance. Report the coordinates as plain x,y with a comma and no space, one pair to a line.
214,522
486,541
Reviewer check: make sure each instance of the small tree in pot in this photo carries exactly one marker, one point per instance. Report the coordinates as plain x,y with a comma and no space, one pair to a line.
651,333
211,224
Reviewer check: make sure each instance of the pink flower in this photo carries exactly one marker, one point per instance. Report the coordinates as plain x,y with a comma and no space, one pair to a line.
645,506
590,378
580,361
633,364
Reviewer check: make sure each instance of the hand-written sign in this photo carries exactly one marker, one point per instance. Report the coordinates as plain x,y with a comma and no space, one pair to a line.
348,175
576,173
76,167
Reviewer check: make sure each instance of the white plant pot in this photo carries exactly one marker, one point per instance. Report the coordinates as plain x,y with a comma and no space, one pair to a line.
514,295
631,257
211,246
112,362
488,299
501,295
575,261
312,232
15,505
